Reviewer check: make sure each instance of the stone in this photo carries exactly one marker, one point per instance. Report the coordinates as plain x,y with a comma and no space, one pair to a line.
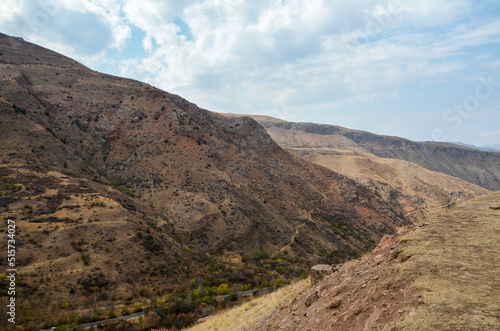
311,298
395,251
379,259
320,271
335,303
204,319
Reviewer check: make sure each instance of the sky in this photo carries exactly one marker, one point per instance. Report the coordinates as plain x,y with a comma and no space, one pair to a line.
426,70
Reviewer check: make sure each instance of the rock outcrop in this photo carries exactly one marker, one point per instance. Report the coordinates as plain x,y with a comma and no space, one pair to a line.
320,271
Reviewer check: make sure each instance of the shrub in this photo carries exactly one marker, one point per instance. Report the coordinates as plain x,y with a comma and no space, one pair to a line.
86,259
223,289
137,307
247,287
257,256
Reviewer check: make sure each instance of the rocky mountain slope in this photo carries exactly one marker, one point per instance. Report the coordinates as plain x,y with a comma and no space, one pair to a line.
216,182
415,188
474,166
111,180
441,275
411,186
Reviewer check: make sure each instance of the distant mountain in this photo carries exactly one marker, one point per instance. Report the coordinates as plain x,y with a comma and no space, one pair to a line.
415,188
474,166
492,148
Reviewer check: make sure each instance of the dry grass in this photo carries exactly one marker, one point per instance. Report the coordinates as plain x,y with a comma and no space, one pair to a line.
250,313
456,261
419,186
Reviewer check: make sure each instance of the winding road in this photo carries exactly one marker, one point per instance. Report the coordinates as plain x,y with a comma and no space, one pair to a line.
89,325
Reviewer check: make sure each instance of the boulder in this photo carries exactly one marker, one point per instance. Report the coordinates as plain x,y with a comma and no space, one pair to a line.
320,271
379,258
335,303
311,298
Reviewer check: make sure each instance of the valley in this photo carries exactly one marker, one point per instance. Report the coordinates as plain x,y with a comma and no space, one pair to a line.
130,199
439,275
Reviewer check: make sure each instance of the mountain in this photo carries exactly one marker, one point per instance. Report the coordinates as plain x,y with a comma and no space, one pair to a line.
413,187
474,166
492,148
123,194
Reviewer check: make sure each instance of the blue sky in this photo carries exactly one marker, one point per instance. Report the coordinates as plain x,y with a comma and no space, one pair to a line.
420,69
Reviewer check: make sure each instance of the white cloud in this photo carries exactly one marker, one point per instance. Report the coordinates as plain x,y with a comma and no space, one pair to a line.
263,45
429,13
491,133
77,28
285,57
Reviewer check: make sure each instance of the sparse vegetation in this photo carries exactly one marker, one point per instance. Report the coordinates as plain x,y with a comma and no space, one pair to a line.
121,188
86,259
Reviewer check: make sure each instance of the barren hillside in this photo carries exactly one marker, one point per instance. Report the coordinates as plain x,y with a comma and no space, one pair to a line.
442,275
111,180
474,166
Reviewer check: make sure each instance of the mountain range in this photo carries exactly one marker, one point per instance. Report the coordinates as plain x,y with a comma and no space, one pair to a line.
478,167
111,181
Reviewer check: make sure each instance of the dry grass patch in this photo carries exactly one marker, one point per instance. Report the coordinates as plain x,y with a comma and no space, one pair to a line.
456,263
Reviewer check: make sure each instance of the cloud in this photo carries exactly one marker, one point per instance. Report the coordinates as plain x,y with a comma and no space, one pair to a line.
289,57
491,133
270,49
77,28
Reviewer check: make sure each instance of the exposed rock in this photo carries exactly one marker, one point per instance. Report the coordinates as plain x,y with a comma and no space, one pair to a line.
204,319
395,251
320,271
311,298
379,259
335,303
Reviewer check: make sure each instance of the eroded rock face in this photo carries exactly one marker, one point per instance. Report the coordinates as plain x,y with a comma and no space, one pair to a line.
320,271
